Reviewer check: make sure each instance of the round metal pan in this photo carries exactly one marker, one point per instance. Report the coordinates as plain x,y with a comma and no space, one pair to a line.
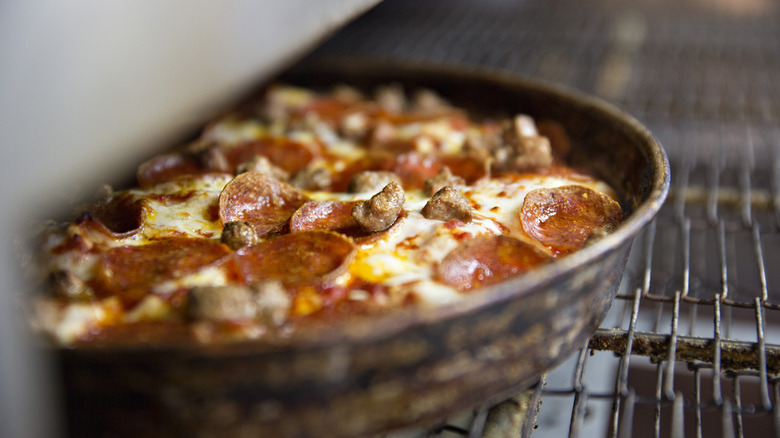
412,367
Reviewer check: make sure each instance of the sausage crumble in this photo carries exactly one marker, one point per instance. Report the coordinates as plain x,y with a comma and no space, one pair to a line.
448,204
382,210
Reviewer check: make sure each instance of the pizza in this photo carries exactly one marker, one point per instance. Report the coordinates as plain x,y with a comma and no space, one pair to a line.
307,207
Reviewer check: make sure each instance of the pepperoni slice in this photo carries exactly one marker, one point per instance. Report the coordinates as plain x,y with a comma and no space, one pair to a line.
130,271
287,154
467,167
559,139
336,216
327,108
264,202
307,257
325,215
373,160
486,260
167,167
564,217
414,169
120,217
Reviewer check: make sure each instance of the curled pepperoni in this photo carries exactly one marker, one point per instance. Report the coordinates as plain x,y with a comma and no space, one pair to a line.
486,260
264,202
307,257
564,217
130,271
325,215
122,216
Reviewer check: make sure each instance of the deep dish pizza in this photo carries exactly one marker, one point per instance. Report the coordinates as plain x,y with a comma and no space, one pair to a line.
308,206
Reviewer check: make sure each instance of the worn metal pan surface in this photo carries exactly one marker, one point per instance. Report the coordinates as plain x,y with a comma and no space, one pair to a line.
410,367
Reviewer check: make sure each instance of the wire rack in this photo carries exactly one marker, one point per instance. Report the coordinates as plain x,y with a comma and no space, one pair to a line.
691,346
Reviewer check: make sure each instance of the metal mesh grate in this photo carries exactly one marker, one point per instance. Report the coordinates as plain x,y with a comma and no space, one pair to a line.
692,344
